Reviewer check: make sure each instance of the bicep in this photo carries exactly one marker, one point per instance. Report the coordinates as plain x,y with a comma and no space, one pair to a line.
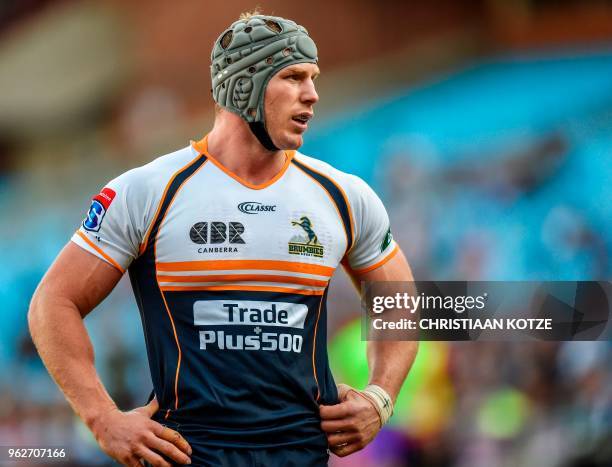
79,277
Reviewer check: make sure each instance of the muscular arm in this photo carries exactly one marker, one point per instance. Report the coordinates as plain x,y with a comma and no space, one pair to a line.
354,422
56,324
75,284
389,360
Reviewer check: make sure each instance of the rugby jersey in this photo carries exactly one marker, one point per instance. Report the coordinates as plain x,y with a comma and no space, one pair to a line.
231,280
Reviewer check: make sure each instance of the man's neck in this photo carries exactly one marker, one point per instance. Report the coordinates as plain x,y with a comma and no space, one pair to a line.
234,146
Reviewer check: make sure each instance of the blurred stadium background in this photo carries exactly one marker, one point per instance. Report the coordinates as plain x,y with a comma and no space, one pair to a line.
485,125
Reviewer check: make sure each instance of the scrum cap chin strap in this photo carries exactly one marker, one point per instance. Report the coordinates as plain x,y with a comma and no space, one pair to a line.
244,59
259,130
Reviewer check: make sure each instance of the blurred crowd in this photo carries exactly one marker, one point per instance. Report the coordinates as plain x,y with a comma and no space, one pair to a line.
494,404
498,168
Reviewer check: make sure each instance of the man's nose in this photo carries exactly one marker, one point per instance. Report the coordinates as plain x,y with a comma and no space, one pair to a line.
309,93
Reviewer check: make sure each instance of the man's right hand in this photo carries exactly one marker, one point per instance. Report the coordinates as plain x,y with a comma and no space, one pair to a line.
73,286
131,436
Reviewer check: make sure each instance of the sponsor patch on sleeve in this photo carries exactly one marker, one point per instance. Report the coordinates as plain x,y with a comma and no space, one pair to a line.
98,208
387,240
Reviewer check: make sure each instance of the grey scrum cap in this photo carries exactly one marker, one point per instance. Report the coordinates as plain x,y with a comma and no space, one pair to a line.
244,59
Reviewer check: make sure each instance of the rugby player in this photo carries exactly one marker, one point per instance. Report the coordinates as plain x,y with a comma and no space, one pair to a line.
230,244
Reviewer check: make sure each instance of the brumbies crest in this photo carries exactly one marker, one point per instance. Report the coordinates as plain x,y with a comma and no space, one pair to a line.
305,243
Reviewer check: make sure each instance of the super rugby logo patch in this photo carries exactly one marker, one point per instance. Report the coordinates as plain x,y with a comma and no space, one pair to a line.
98,208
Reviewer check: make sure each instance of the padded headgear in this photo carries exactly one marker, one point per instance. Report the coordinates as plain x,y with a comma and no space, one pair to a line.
244,59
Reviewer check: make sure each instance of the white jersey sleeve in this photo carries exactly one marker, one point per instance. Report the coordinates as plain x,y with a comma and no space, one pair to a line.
373,243
119,217
117,220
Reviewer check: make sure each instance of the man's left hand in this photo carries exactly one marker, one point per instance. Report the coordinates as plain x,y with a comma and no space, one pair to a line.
351,424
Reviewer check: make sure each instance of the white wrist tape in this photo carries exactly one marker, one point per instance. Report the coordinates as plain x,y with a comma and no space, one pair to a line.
381,401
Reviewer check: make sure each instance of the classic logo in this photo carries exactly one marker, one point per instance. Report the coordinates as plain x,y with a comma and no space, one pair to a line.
255,207
97,210
217,233
307,243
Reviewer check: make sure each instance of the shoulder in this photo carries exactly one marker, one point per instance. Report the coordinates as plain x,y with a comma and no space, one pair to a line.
152,178
365,206
159,170
351,184
354,188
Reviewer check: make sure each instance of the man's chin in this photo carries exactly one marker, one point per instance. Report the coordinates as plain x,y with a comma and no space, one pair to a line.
292,142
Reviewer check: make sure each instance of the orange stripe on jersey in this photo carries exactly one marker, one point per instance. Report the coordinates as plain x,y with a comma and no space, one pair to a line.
180,354
259,264
145,241
328,194
314,347
244,277
378,264
202,147
178,345
255,288
99,250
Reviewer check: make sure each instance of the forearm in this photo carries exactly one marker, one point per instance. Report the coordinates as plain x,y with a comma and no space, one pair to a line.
390,356
64,346
389,363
